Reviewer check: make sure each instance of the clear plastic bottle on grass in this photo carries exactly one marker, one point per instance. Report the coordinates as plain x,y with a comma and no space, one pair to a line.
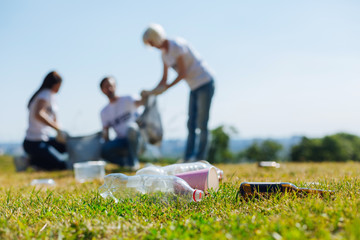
269,164
177,168
43,182
158,187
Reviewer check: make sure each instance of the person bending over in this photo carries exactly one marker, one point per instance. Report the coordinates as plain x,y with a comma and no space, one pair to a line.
177,54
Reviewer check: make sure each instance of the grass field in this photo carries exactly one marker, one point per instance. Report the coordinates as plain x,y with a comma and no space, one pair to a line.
76,211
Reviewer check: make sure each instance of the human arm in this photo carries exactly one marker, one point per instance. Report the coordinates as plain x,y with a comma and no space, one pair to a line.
105,133
140,102
42,115
161,87
105,124
165,75
180,65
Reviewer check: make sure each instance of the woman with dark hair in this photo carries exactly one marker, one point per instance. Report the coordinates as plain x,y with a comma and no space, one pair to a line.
42,118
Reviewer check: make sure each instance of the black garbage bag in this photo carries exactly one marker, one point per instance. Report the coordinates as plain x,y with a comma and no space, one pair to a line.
84,148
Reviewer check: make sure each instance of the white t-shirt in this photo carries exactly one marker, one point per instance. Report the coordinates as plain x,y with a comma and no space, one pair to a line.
120,115
37,130
196,70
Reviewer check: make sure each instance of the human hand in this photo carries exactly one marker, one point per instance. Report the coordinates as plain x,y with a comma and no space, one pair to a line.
61,136
159,89
145,93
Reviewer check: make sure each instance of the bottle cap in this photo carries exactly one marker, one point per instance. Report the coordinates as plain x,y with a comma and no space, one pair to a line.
197,195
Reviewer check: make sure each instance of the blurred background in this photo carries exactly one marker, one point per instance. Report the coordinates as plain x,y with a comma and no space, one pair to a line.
283,69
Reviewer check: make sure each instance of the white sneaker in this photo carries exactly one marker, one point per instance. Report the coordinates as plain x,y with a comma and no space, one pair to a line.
190,160
180,160
135,167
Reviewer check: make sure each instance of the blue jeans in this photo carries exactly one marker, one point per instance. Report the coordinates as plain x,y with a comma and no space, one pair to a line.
41,155
199,108
122,151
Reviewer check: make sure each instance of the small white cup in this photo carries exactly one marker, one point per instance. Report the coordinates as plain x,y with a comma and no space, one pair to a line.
87,171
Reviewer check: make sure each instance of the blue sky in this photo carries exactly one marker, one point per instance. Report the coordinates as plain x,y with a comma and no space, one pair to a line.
282,68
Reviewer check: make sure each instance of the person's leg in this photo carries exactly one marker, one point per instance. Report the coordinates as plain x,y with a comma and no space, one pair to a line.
31,148
60,147
205,95
42,157
114,151
133,136
191,125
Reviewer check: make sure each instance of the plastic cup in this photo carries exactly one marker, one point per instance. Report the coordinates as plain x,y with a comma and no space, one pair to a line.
87,171
203,179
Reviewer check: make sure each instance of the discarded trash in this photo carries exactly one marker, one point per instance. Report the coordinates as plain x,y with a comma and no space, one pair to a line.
45,182
269,164
21,163
165,188
87,171
263,188
84,148
204,179
150,122
177,168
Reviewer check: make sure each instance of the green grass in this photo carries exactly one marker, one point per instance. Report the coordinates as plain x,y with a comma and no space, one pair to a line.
76,211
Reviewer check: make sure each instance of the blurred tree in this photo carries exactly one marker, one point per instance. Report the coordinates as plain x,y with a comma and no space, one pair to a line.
219,146
306,150
338,147
267,150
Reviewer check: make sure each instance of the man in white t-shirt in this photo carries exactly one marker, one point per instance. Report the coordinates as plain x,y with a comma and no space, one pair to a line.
120,115
178,55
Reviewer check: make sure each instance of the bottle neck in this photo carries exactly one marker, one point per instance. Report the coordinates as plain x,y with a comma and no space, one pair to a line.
316,191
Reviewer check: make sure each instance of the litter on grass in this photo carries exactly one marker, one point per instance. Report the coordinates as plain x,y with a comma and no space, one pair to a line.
87,171
268,164
248,189
43,182
178,168
160,188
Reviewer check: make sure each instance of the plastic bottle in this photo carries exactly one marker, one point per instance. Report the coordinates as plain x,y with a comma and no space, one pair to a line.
174,169
43,182
269,164
164,188
264,188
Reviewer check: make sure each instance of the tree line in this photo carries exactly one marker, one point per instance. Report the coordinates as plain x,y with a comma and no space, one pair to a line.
339,147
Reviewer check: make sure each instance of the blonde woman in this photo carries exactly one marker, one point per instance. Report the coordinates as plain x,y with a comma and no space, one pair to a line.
178,55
